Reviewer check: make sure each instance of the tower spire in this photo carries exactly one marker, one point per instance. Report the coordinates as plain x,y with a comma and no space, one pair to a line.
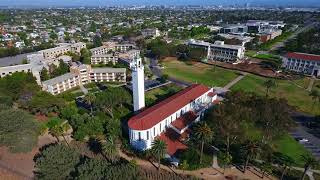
138,84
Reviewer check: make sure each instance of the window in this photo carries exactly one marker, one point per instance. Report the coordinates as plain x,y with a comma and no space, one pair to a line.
139,136
147,135
154,131
160,127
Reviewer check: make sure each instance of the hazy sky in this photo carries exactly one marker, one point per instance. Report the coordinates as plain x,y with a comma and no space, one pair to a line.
153,2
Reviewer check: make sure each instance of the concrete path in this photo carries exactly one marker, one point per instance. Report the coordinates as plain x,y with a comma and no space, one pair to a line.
310,84
235,81
83,89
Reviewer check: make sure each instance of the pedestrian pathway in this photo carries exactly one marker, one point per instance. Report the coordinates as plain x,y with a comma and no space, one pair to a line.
235,81
310,84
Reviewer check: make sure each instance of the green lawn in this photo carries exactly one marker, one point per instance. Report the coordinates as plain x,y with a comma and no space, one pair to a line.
161,93
296,96
199,73
290,147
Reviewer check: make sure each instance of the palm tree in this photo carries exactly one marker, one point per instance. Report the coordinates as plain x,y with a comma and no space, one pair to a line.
109,148
202,133
158,149
266,167
59,130
252,149
90,99
309,162
270,83
285,161
225,159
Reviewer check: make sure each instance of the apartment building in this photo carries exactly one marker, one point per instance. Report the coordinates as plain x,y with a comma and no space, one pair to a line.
150,33
108,75
8,70
100,50
62,49
308,64
81,74
104,58
83,70
61,83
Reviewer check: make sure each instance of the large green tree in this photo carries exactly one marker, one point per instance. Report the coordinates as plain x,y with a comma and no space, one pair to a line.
56,162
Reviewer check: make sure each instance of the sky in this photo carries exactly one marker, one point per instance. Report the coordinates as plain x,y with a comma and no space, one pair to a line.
154,2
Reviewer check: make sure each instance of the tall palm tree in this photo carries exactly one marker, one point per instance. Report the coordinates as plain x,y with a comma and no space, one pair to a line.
90,99
59,130
109,148
270,83
202,133
252,149
285,161
309,162
158,149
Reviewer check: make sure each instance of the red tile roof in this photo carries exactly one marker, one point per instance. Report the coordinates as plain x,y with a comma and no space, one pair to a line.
155,114
304,56
171,138
184,120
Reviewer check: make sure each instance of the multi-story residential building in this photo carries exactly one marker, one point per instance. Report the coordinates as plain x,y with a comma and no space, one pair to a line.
104,58
123,47
108,75
150,33
83,70
220,51
303,63
61,83
100,50
62,49
81,74
8,70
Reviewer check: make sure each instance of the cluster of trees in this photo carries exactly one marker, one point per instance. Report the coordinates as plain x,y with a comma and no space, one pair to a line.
54,71
161,49
306,42
62,162
243,128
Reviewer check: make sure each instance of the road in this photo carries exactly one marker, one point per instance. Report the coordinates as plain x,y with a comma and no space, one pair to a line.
302,132
281,44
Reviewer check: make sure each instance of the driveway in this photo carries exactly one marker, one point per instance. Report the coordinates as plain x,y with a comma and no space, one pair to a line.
313,144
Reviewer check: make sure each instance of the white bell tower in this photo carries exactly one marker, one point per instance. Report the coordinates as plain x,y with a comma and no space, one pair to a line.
138,84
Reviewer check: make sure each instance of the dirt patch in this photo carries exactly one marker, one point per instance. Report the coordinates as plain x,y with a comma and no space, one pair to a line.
253,67
20,165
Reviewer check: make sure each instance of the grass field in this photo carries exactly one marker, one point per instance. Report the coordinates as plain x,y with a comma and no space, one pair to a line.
199,73
296,96
161,93
290,147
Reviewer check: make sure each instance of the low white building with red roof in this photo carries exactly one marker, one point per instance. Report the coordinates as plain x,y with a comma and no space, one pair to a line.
303,63
170,119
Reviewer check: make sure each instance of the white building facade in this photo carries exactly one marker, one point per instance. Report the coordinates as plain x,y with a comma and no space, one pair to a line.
308,64
156,120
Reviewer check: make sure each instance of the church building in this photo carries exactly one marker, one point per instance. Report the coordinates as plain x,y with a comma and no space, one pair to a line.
168,120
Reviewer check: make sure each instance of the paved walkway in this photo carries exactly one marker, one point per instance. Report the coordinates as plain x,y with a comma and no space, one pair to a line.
235,81
311,84
83,89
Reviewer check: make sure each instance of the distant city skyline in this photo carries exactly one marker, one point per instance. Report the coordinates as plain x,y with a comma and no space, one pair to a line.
43,3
